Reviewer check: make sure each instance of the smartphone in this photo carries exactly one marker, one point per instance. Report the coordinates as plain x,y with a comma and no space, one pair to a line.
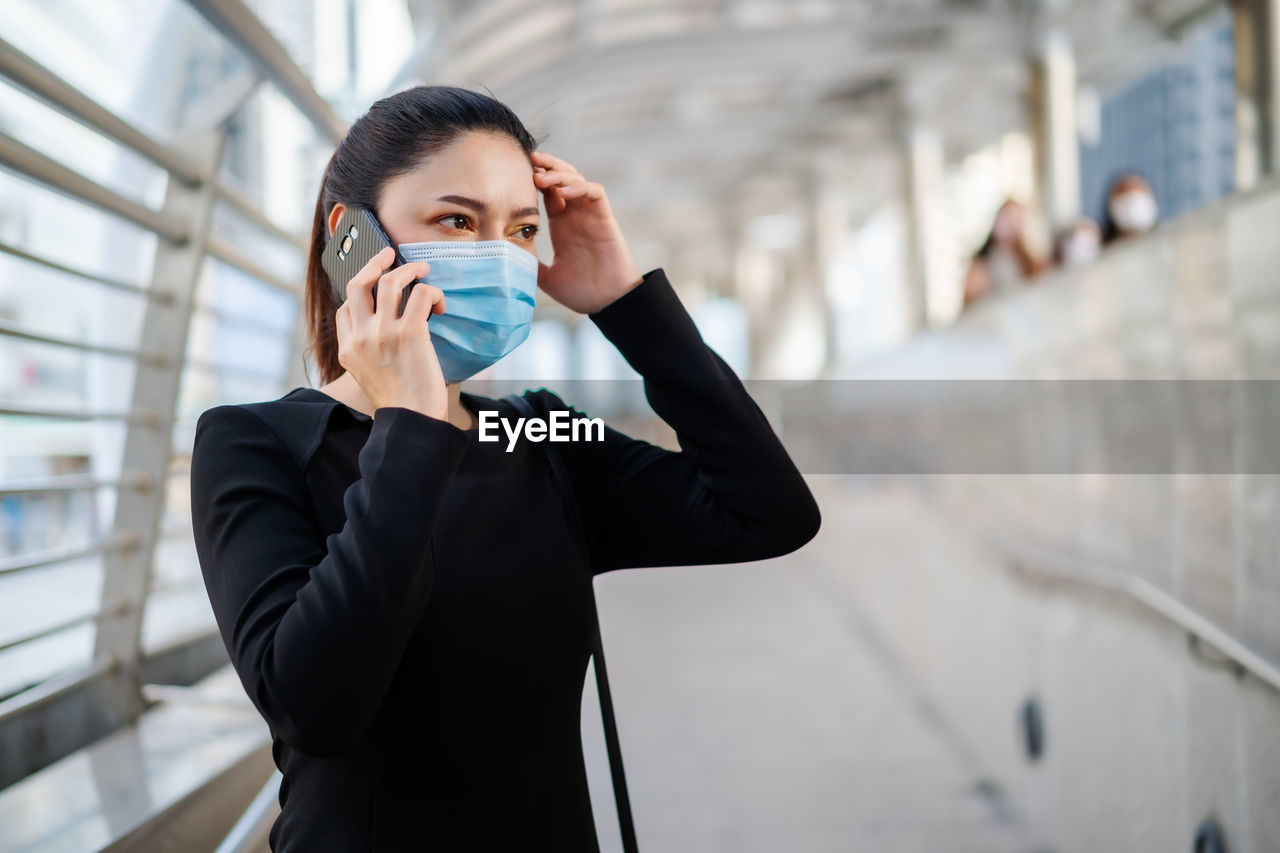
356,239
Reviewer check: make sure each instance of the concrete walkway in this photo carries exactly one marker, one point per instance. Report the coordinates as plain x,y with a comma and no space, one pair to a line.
759,711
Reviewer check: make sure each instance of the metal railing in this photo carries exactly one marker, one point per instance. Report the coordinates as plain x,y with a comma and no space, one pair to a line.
1041,563
184,226
251,830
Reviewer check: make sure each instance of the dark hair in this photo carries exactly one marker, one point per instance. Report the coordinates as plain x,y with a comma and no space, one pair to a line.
391,139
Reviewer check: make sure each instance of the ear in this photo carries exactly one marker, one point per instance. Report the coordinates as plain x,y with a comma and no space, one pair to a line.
335,215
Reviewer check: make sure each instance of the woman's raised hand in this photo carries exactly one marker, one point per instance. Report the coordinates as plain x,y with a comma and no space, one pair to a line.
391,357
593,264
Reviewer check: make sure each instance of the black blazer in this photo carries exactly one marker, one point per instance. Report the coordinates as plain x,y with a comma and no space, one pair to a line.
409,607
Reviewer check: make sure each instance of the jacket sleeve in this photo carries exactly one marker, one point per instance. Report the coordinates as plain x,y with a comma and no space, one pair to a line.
316,626
730,494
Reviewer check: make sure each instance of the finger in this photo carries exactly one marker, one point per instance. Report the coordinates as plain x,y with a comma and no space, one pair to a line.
342,327
551,161
595,192
553,202
360,288
423,301
419,305
342,323
395,282
555,178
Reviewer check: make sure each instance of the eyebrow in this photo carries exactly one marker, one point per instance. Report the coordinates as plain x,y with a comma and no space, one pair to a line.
481,207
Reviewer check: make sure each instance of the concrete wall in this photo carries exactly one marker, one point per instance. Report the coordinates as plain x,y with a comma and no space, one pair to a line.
1146,735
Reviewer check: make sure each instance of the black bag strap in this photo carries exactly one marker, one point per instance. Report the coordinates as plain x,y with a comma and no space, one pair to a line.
625,824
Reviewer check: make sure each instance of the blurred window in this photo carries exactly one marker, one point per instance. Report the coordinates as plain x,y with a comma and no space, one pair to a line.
1175,125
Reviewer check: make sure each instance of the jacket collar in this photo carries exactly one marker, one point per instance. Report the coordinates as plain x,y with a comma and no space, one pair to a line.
322,403
301,417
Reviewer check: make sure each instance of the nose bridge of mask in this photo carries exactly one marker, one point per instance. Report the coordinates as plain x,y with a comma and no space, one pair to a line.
490,281
478,255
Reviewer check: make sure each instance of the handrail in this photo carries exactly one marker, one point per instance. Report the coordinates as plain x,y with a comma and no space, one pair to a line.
52,688
181,584
114,608
224,250
1041,561
143,417
37,79
231,369
107,281
13,330
240,26
41,167
70,101
238,321
73,483
247,834
117,540
241,204
1038,560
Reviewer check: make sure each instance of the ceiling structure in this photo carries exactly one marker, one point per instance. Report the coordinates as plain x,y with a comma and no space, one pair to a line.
685,109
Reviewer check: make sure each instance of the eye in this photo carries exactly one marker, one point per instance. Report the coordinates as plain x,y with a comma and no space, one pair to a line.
455,220
528,232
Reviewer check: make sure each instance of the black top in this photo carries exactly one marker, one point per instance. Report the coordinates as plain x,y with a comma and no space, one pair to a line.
410,608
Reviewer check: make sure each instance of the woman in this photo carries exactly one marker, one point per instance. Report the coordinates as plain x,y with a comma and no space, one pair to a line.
410,607
1078,244
1131,208
1004,261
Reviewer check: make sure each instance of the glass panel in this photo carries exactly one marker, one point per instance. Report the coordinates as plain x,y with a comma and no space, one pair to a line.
142,59
78,148
280,171
40,598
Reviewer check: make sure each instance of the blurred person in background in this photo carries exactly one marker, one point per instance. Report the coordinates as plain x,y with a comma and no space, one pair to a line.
1005,261
1078,244
1131,208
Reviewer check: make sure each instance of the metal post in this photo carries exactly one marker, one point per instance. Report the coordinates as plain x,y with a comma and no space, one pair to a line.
821,232
1054,129
126,574
241,26
922,164
1257,42
147,446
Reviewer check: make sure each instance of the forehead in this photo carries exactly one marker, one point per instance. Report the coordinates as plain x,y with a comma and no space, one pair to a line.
483,166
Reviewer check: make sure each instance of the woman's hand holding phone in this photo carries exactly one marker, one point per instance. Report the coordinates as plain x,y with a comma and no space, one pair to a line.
392,357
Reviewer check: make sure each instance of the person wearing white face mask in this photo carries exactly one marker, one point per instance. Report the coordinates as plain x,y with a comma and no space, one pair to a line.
1131,208
1078,244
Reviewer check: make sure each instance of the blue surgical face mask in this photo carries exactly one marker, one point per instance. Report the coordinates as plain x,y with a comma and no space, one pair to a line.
489,288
